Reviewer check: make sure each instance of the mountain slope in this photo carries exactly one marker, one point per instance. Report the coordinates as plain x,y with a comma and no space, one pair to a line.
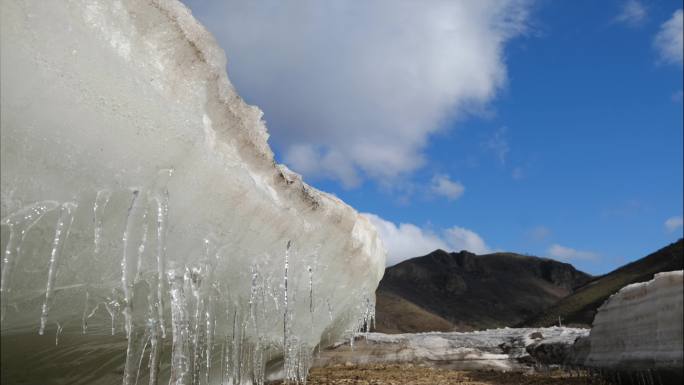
580,307
397,315
463,291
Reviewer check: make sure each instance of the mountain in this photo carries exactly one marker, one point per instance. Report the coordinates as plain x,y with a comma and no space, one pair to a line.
580,307
463,291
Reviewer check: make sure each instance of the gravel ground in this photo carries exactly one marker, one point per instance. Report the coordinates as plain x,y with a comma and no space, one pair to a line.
416,375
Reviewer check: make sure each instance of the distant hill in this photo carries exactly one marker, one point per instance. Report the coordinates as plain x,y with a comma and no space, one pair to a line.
463,291
580,307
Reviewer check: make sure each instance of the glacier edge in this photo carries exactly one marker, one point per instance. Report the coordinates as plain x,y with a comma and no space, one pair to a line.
122,111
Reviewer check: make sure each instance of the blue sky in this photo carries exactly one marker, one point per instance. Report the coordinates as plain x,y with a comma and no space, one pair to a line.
548,128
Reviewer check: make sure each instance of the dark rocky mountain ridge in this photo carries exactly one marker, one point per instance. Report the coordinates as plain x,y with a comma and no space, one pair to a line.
463,291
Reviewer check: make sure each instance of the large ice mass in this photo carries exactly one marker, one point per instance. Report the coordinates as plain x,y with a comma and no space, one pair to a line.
641,327
140,199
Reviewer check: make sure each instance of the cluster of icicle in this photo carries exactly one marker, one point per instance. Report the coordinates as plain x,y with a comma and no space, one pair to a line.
156,302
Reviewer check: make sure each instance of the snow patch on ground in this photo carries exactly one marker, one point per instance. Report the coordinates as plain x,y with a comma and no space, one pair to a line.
498,349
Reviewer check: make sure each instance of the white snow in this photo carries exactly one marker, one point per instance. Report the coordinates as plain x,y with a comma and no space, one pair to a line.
497,349
139,197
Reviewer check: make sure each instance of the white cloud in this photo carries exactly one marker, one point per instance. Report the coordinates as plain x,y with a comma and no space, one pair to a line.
464,239
518,173
498,144
444,186
306,160
672,224
539,233
632,13
407,240
354,89
566,253
625,209
669,41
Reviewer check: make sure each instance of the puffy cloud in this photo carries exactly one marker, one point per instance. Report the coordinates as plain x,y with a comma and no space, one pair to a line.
539,233
632,13
566,253
669,41
354,89
498,144
407,240
444,186
460,238
310,162
673,223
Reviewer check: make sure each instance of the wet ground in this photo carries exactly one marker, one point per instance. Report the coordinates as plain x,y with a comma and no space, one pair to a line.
416,375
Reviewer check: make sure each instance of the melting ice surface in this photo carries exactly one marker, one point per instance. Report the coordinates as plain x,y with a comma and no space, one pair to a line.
148,236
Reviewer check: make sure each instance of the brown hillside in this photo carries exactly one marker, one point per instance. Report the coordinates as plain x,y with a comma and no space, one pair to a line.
580,307
463,291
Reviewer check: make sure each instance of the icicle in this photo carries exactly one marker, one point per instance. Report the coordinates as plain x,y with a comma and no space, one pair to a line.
258,364
58,333
265,310
244,352
154,329
126,270
162,200
224,346
101,201
141,246
195,279
303,363
180,363
155,353
290,342
286,310
311,308
19,223
89,315
113,308
208,292
84,320
330,310
235,357
66,218
369,314
252,299
137,334
141,356
211,329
